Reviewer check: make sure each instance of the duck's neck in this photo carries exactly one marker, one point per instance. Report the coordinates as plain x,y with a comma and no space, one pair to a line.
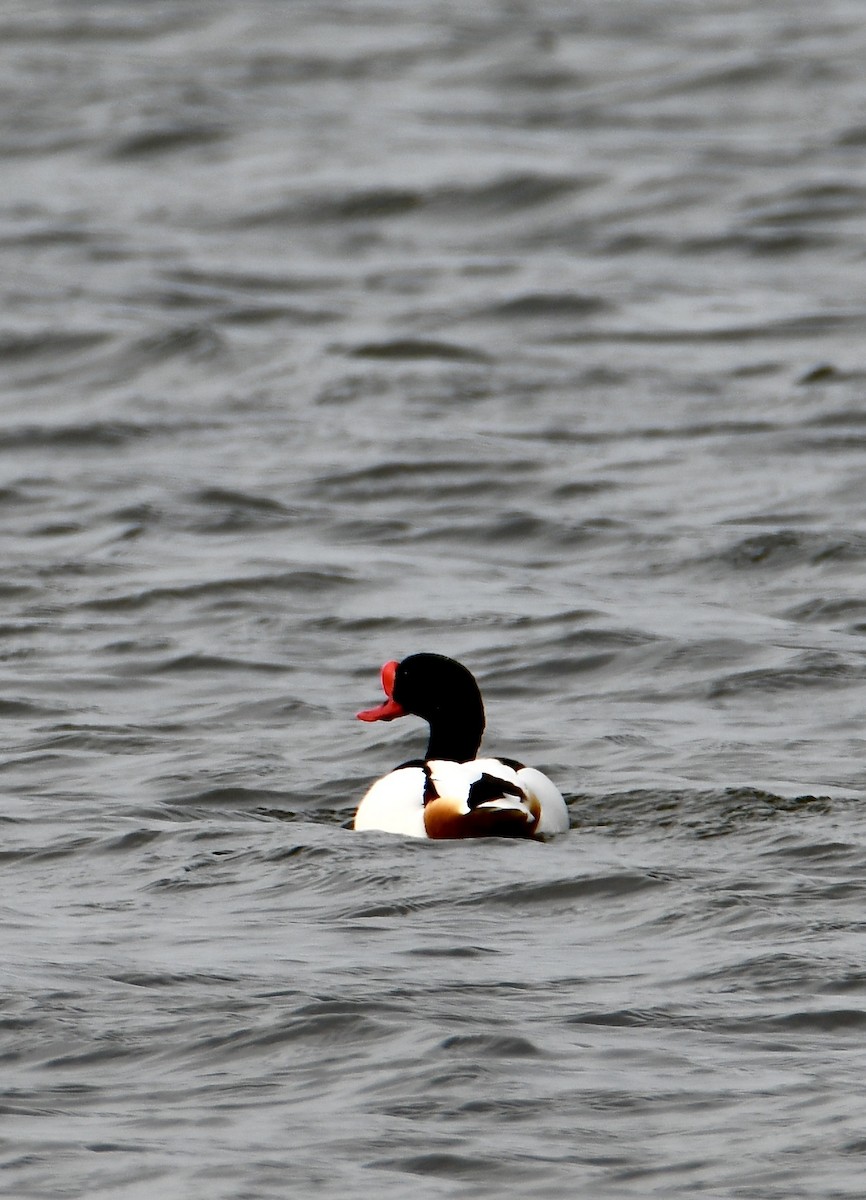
456,737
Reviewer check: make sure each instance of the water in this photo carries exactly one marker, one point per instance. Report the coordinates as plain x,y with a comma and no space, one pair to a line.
527,333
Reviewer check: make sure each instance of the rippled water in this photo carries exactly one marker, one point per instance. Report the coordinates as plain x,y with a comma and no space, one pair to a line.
529,333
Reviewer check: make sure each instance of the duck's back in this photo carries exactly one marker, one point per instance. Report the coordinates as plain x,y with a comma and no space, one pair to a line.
482,798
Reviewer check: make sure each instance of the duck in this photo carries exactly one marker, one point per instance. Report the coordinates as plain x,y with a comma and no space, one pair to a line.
451,792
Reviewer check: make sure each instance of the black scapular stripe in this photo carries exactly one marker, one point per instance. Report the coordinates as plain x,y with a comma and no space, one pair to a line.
430,792
491,787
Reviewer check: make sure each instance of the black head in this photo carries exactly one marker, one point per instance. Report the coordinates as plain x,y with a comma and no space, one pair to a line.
443,693
433,686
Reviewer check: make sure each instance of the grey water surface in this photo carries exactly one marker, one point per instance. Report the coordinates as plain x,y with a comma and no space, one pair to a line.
530,333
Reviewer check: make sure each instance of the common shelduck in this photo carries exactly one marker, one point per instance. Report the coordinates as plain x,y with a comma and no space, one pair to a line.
451,793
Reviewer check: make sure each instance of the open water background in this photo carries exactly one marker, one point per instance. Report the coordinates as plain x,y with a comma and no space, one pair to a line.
531,333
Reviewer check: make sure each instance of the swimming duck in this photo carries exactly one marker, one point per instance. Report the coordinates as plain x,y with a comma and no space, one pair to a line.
450,793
